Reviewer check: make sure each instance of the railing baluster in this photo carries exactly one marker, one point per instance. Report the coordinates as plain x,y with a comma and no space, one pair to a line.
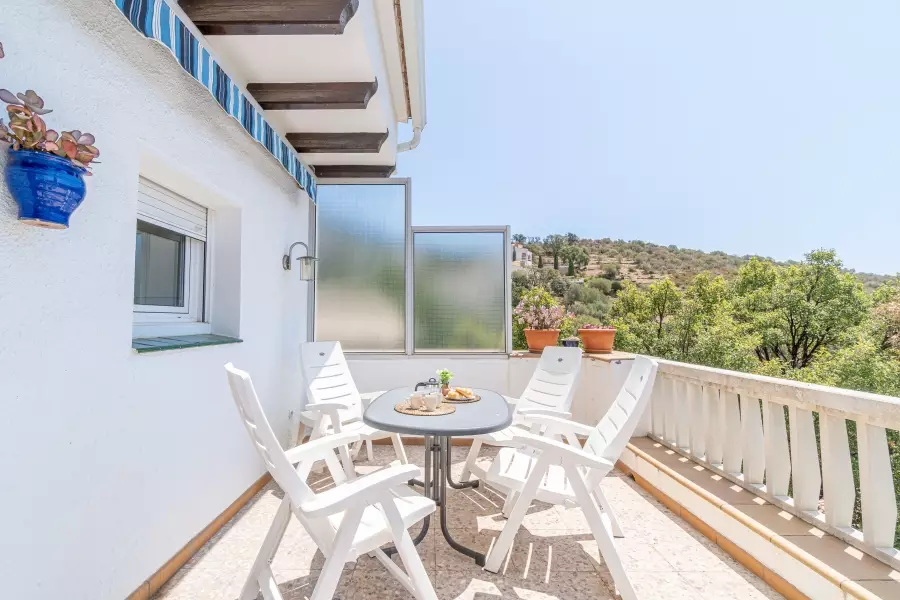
752,438
715,425
657,409
683,415
731,416
698,420
837,470
778,465
669,424
805,460
879,508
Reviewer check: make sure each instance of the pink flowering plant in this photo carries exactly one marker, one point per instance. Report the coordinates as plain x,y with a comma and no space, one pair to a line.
592,326
539,310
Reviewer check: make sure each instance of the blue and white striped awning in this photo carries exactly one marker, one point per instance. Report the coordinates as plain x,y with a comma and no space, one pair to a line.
155,19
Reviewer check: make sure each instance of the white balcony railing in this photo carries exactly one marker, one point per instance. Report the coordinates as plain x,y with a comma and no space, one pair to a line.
761,433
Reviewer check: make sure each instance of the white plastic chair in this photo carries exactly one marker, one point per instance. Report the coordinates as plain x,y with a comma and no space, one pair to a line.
549,392
353,518
335,404
552,471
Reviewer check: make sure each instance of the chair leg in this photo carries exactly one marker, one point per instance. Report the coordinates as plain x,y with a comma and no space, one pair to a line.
470,460
510,502
418,576
340,551
607,508
318,431
259,575
601,533
356,448
517,515
399,450
370,454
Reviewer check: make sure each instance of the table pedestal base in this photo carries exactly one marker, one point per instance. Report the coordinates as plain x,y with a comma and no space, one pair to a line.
437,478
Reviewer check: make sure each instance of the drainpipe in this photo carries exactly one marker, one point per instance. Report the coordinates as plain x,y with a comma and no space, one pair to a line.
412,143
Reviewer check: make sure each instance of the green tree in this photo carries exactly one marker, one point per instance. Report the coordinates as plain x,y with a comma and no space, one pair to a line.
554,243
571,238
577,257
519,238
799,310
886,315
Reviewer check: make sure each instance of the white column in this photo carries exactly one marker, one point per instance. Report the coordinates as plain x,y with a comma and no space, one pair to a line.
699,420
753,447
715,425
805,460
879,508
837,471
731,446
778,464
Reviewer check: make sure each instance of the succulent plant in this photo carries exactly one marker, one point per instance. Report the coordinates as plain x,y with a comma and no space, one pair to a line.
28,131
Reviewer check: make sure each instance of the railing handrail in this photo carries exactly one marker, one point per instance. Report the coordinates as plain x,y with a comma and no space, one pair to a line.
876,409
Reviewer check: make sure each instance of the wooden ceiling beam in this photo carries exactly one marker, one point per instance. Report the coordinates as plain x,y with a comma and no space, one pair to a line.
362,142
313,96
270,17
335,171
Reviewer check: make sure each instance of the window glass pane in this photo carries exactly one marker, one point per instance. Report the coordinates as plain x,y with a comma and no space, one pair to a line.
459,292
158,266
361,284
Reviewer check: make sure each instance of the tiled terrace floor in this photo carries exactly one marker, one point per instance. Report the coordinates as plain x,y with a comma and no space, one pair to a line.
554,555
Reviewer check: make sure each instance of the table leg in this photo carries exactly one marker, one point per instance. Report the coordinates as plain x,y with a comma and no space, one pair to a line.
437,477
444,459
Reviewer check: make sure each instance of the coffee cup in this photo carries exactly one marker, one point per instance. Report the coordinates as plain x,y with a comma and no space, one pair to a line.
416,400
432,401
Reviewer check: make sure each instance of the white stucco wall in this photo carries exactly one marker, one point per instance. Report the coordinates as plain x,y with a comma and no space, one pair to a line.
111,461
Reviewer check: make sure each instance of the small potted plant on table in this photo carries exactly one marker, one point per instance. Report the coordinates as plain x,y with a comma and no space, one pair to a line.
597,338
46,169
445,376
541,316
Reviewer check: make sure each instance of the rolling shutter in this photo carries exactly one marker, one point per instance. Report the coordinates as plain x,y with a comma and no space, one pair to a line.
167,209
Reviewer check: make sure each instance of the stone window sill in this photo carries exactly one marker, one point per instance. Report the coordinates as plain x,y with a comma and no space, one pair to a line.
178,342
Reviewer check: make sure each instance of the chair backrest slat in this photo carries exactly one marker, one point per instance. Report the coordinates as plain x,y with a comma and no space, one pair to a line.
269,448
552,384
328,377
618,424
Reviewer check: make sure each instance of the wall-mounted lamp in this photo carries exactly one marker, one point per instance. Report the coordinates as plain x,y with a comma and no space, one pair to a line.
307,263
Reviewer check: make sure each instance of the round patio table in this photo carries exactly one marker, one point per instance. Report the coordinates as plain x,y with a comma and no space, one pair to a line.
491,413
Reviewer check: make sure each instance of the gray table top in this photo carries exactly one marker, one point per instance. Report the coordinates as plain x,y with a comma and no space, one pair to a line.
489,414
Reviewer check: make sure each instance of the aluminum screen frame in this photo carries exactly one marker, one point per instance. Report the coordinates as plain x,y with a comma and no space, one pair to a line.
405,182
507,290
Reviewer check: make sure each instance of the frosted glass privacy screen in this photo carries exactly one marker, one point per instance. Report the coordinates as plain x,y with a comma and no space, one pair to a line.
459,291
361,284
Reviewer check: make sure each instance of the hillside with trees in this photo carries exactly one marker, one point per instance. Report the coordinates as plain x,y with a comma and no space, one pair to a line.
644,263
810,321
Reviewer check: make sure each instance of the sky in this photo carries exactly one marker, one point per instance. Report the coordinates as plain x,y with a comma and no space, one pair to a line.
763,127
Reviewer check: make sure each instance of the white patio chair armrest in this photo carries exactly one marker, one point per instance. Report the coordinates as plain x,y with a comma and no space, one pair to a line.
326,407
511,401
566,452
358,491
368,397
558,424
317,448
550,412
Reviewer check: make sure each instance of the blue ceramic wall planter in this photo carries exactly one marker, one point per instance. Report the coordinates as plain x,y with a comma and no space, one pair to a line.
47,188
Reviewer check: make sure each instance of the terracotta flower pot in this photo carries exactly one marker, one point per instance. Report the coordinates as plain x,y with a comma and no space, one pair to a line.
538,339
445,389
598,340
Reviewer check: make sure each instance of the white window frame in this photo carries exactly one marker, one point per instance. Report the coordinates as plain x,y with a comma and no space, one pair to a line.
182,216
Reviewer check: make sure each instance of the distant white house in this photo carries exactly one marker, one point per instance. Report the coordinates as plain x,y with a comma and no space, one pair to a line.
521,256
